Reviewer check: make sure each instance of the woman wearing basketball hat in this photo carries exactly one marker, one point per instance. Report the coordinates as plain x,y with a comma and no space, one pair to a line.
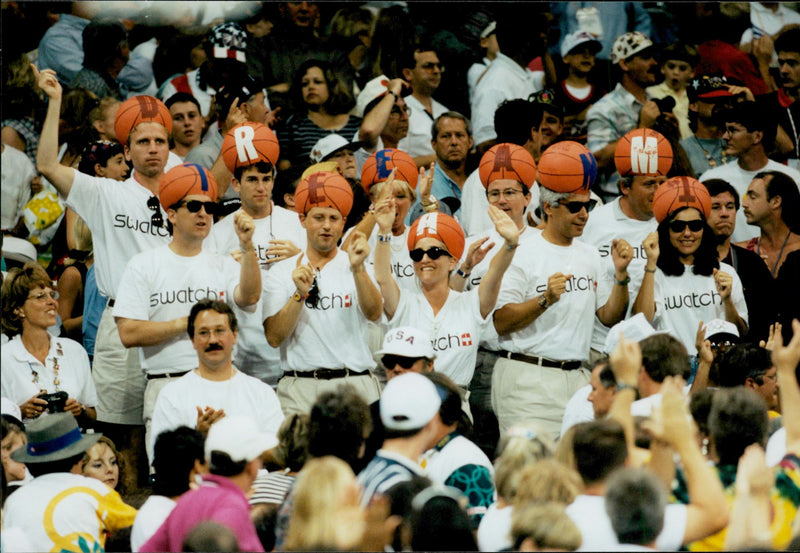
684,283
456,320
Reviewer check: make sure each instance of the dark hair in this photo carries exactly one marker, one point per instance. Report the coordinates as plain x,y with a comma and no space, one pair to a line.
408,59
514,119
243,87
174,454
221,464
213,305
450,115
664,355
400,497
742,361
599,448
738,418
286,183
680,51
98,152
753,117
635,502
700,407
340,97
17,284
441,525
102,41
705,258
61,465
261,166
788,41
181,97
716,187
784,186
292,448
450,394
339,421
209,535
606,376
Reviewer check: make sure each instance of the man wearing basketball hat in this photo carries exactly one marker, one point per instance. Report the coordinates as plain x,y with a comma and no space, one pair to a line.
120,216
317,307
159,286
549,297
60,509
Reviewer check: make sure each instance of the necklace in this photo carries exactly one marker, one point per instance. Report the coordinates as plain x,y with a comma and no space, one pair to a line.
780,253
711,161
56,368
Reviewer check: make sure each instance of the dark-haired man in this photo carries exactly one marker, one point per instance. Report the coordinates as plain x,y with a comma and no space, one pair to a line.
784,103
749,366
187,123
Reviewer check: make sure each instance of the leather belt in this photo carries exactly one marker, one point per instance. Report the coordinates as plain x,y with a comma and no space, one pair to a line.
543,361
324,374
166,375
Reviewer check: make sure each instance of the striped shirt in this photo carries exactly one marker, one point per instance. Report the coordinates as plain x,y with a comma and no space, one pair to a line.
301,133
384,471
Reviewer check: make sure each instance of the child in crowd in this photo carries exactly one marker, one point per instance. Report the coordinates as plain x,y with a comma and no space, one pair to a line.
576,93
678,63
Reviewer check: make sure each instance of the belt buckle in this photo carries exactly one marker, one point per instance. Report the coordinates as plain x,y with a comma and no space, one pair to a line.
315,374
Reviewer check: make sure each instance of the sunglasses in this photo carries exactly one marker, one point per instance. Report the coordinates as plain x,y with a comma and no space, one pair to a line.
695,225
157,220
312,299
434,253
194,206
390,361
575,207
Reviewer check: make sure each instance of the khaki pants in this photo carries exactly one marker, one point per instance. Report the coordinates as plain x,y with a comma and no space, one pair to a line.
527,393
298,395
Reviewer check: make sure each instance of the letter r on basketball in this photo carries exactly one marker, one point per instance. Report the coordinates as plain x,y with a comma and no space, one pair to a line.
245,149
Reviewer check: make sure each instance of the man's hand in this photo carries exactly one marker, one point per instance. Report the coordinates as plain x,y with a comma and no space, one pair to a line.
47,81
303,277
621,255
786,357
280,250
762,49
206,417
245,227
774,330
704,351
626,361
651,249
273,117
674,417
73,406
556,285
649,114
724,283
235,117
358,251
753,476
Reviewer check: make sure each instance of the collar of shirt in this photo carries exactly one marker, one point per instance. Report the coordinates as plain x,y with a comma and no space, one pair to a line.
400,459
625,97
220,481
438,173
21,353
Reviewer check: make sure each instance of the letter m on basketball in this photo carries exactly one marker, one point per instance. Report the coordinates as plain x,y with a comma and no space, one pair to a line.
245,149
644,154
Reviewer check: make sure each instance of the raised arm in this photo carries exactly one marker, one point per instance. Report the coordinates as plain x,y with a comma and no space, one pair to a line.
645,300
625,362
374,121
369,297
47,156
617,304
248,291
384,216
489,287
280,326
785,358
724,284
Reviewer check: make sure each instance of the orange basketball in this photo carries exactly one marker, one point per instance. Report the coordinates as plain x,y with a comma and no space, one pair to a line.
441,227
643,152
140,109
567,167
378,166
249,143
324,190
184,180
680,192
507,161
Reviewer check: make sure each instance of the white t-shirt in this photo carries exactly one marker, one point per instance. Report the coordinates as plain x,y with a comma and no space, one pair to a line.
159,285
150,517
254,355
118,216
740,180
607,223
579,409
456,330
683,301
335,335
494,531
402,266
241,395
588,512
418,140
66,512
16,174
564,331
74,374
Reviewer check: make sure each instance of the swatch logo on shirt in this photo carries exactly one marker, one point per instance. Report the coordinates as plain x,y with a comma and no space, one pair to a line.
402,271
574,284
692,300
188,295
452,341
122,220
638,251
333,301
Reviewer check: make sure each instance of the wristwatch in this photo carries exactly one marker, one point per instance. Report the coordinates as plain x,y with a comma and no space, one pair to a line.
620,387
297,297
543,303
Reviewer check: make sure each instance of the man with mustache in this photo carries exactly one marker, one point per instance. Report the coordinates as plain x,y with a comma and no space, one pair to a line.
215,388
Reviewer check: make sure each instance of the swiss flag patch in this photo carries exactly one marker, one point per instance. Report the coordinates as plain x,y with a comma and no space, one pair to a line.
466,339
347,301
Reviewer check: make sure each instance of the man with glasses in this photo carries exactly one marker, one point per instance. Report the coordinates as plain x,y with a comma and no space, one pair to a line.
422,69
316,308
159,286
385,123
548,299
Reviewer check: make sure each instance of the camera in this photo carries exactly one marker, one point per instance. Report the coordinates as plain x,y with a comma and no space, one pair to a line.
55,401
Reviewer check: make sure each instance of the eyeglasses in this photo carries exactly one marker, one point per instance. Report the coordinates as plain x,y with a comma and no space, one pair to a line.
434,253
508,194
157,220
695,225
430,66
52,294
194,206
390,361
575,207
312,299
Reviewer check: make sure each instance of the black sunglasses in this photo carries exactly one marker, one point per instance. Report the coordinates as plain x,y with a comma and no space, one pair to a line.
194,206
153,204
575,207
695,225
390,361
433,253
312,299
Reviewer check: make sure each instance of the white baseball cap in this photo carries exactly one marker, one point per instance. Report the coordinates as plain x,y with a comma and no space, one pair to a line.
409,401
637,328
573,40
375,88
239,437
629,44
407,341
329,145
720,326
